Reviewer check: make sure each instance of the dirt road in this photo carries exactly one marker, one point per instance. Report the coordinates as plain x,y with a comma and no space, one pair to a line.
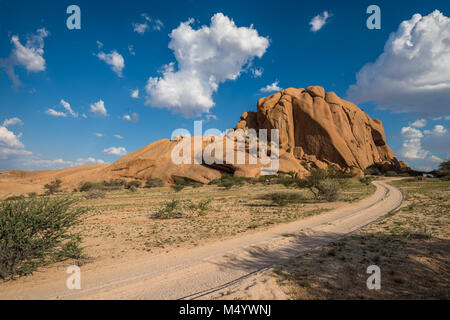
201,271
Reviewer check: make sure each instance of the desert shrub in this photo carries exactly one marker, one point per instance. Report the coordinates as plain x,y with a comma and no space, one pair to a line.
286,181
322,187
334,173
203,207
200,208
391,173
373,170
95,194
228,181
444,171
114,183
178,187
282,199
366,180
12,198
37,231
328,190
53,187
133,185
88,186
154,183
32,194
170,209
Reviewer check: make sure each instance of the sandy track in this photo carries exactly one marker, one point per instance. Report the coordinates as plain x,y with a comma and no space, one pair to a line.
201,271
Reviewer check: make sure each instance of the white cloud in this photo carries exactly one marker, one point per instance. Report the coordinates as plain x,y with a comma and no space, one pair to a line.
271,87
411,133
9,139
117,136
419,123
114,60
413,72
319,21
135,94
12,121
434,158
141,28
29,55
206,57
257,72
99,44
90,160
66,106
115,151
98,134
54,113
98,109
438,130
412,149
133,118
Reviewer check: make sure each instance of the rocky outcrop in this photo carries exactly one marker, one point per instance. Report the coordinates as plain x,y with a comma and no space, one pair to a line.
322,129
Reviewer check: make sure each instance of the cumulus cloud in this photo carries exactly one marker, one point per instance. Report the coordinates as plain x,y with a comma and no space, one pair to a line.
66,106
319,21
117,136
438,130
271,87
419,123
134,117
12,121
98,109
116,151
413,73
148,23
114,60
54,113
257,72
411,133
9,139
412,149
135,94
206,57
30,55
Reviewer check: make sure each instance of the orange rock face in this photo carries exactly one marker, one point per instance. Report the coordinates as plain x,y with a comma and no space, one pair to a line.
321,128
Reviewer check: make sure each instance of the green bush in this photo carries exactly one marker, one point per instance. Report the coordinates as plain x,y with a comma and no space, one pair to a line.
37,231
88,186
366,180
133,184
228,181
114,183
53,187
320,185
282,199
171,209
12,198
178,187
154,183
328,190
391,174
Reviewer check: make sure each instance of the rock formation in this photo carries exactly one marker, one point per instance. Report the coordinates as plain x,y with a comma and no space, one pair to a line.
316,130
322,129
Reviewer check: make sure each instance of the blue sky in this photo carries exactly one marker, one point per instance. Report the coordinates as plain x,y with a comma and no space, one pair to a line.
294,56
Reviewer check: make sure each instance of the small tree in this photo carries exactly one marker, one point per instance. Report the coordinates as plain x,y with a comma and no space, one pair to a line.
53,187
320,185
